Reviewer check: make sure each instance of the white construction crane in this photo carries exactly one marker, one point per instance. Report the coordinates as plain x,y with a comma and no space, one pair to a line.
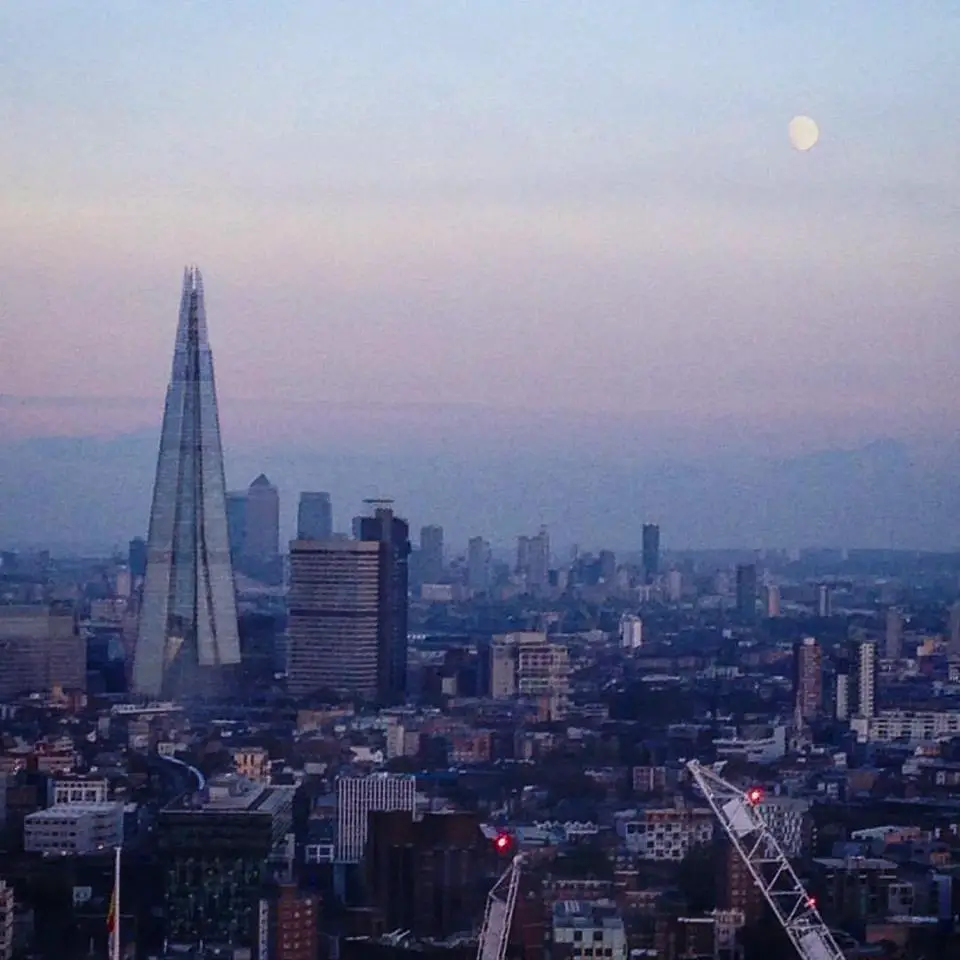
498,916
738,812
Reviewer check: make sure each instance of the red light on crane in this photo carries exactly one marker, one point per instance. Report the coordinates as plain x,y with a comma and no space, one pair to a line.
812,903
754,796
503,842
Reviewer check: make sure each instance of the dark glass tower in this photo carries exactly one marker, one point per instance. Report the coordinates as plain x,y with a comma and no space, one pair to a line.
393,534
188,618
651,552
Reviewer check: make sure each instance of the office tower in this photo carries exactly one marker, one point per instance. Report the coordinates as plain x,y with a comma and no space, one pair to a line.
807,677
866,678
675,586
651,552
893,638
137,558
533,560
747,592
428,875
824,601
773,600
314,517
214,846
608,566
393,535
333,609
953,628
41,650
431,554
261,535
187,629
478,565
236,522
357,797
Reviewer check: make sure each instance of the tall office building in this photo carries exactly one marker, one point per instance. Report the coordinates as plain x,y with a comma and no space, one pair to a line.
333,610
807,677
41,650
236,522
893,638
357,797
747,592
824,601
261,535
651,552
215,847
314,516
431,554
479,559
393,535
347,612
187,629
137,558
533,559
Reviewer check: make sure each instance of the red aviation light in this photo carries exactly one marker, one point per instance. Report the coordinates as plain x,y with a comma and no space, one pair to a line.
754,796
503,843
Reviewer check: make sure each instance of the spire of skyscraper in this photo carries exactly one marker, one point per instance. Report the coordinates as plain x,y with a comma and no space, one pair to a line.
188,615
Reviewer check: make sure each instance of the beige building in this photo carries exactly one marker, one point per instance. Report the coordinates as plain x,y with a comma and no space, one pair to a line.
528,665
252,763
41,650
333,621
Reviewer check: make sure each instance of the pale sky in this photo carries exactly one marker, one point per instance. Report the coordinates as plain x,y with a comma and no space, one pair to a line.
485,222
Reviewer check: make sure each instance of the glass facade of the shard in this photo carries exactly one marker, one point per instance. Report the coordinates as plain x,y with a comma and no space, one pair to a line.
187,630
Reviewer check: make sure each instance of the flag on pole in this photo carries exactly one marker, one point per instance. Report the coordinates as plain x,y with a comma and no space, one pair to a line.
112,915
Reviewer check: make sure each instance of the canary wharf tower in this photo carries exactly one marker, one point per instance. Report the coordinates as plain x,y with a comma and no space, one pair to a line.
187,632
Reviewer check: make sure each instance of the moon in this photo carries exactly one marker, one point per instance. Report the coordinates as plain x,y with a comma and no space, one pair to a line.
804,133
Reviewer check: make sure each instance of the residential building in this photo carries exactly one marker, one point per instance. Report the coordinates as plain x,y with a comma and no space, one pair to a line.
747,592
187,631
666,833
291,929
808,678
7,906
79,789
479,561
528,665
893,638
589,929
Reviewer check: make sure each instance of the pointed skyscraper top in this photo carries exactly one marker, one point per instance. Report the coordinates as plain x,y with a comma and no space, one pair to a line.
188,616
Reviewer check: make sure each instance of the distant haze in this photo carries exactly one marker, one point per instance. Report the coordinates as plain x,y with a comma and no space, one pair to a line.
509,263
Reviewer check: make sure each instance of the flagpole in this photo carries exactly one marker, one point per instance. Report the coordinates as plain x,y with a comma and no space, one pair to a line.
115,945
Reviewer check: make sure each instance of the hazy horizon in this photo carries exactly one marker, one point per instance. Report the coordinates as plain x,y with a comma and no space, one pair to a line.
510,264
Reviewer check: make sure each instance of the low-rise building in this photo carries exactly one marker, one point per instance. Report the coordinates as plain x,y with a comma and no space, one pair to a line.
75,829
666,833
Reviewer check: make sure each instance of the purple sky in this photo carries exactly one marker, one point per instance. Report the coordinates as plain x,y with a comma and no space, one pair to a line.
485,227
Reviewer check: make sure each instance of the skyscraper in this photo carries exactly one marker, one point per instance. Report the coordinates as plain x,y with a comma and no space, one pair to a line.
188,618
893,640
747,592
236,522
431,554
478,565
261,536
333,608
393,535
651,551
314,516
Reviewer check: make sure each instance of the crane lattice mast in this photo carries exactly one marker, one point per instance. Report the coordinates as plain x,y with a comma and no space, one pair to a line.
498,916
759,849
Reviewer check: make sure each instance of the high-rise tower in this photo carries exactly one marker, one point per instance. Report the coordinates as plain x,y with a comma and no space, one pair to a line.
188,618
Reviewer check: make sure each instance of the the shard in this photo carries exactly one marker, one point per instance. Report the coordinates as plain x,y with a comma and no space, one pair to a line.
187,632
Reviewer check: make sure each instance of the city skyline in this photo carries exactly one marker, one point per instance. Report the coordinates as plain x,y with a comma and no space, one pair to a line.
581,236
